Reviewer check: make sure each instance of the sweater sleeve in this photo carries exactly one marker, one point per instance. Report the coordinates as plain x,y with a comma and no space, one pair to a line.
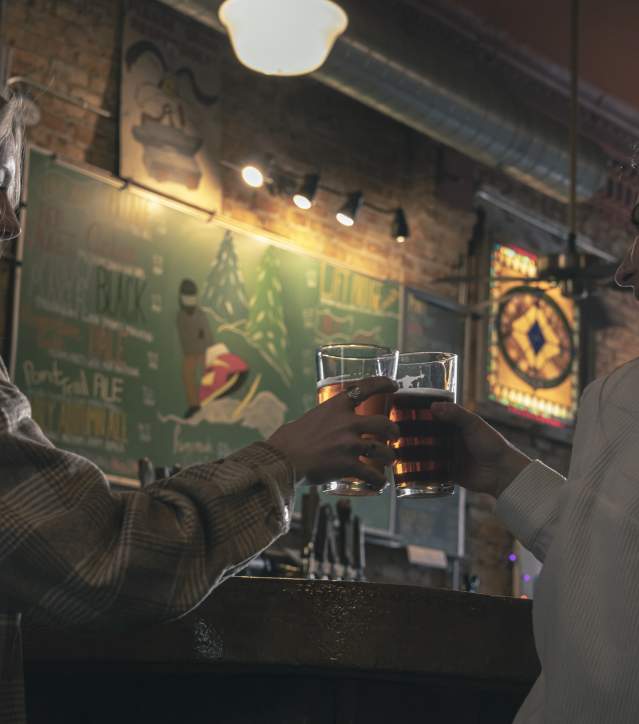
74,552
529,506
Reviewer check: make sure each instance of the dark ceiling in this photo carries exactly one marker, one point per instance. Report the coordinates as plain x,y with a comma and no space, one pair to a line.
609,37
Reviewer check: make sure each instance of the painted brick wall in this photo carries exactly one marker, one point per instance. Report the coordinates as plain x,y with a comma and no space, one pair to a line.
75,45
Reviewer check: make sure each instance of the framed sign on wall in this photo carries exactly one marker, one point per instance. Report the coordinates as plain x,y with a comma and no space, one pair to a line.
170,122
533,342
145,331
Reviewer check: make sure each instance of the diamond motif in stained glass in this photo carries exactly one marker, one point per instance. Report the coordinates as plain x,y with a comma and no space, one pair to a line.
536,337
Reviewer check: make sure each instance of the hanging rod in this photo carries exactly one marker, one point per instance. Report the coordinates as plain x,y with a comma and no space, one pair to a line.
73,100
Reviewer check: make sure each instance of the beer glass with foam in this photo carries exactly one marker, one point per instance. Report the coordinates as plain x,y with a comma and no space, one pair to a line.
425,451
340,366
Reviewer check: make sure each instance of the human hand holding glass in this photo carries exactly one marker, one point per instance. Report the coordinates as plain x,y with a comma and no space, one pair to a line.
330,439
486,461
342,368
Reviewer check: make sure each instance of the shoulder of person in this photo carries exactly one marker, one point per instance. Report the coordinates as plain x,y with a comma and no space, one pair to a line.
622,383
590,388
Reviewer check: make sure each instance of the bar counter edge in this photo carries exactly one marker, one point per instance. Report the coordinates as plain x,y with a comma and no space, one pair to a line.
336,628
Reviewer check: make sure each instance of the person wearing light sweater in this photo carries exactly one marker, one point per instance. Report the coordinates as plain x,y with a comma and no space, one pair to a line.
585,530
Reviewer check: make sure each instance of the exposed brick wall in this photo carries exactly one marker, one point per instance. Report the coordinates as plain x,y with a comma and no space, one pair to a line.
300,121
75,45
309,127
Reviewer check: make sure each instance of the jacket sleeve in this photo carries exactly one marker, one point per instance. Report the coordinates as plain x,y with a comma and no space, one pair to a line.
72,551
529,506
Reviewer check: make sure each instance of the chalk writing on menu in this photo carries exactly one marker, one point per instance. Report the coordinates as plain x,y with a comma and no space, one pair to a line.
148,332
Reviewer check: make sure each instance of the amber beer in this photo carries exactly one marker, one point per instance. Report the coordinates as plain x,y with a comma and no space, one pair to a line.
340,366
374,405
425,451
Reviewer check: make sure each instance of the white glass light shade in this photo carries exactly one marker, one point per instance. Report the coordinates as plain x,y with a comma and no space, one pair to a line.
283,37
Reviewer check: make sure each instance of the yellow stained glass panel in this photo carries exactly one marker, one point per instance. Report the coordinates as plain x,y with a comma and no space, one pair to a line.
533,341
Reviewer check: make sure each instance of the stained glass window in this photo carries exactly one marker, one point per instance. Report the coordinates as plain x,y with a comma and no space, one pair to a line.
533,341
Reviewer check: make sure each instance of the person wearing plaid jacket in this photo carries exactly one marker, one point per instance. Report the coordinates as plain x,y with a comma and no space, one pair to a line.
75,553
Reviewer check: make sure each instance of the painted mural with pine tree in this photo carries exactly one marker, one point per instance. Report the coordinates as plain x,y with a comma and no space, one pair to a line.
150,333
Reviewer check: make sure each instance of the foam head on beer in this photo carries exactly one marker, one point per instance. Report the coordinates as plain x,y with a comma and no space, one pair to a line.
430,392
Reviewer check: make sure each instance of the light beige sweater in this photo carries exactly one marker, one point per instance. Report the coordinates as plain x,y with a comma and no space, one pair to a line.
585,529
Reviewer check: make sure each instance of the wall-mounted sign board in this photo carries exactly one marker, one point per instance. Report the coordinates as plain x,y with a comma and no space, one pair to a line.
144,331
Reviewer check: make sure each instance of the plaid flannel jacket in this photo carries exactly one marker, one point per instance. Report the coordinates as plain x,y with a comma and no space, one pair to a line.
73,552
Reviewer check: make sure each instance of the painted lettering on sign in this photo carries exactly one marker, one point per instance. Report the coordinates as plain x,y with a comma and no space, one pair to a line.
347,290
119,295
102,387
81,419
106,345
60,284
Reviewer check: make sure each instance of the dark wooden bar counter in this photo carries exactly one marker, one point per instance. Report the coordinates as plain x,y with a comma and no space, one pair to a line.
298,652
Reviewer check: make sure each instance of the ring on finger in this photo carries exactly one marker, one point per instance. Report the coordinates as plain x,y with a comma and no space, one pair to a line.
355,394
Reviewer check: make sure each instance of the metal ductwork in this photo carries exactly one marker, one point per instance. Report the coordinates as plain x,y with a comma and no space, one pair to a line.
436,83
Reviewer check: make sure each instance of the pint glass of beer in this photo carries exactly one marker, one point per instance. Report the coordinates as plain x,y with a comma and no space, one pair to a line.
425,451
340,366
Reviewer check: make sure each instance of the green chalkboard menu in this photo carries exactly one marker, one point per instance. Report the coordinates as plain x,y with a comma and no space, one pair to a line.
145,331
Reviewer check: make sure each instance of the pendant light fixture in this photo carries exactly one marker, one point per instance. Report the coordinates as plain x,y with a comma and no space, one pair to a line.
282,37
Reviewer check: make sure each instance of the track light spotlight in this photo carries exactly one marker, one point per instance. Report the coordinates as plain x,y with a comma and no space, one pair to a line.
347,214
253,176
303,199
399,227
255,172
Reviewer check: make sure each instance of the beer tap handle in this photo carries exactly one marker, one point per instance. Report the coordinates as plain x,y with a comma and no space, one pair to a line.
310,511
334,565
344,537
344,510
310,514
345,547
146,474
320,543
359,548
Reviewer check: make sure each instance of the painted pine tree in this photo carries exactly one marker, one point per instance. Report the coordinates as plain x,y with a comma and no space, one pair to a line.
224,291
266,327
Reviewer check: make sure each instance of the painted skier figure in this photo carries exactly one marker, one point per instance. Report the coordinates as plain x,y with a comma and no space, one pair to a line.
224,373
196,337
